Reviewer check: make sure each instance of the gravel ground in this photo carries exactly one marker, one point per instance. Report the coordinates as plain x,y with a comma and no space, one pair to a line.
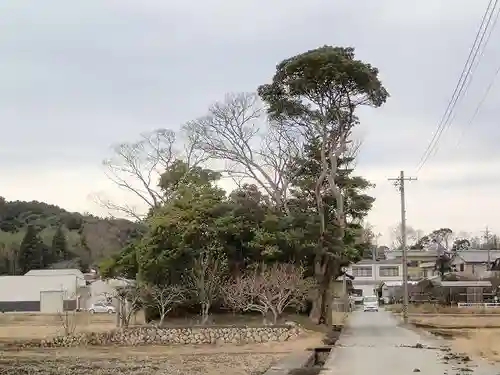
220,363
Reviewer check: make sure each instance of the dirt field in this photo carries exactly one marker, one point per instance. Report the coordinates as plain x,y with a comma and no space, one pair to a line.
151,360
464,321
155,360
18,326
483,343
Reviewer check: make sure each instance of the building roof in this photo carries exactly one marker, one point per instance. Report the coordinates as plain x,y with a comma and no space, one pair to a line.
398,283
427,265
382,262
413,253
59,272
55,271
478,256
28,288
465,284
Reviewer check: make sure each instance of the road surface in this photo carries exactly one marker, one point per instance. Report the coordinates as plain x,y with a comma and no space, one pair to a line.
373,343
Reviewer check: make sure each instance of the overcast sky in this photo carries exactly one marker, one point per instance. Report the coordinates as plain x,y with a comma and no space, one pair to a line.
77,77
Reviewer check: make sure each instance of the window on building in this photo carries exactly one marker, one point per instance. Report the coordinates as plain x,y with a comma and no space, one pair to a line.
413,263
462,267
389,271
362,271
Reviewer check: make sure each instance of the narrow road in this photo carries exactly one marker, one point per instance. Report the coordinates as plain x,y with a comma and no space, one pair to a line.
373,343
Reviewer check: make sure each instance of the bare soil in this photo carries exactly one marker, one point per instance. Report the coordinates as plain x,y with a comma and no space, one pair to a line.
151,360
155,360
483,343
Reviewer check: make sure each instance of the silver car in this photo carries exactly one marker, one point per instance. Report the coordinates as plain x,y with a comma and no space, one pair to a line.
102,307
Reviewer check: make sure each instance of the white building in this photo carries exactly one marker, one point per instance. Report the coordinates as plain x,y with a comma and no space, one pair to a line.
49,294
370,274
105,290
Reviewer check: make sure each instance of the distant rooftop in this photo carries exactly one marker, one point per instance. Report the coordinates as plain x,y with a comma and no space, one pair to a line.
465,284
59,272
478,256
367,262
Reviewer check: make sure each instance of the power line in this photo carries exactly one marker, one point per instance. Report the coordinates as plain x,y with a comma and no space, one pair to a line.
486,92
479,106
477,65
461,84
463,79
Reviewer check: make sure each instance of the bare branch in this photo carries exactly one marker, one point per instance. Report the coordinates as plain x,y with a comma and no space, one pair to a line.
270,289
165,298
137,167
235,131
205,280
130,298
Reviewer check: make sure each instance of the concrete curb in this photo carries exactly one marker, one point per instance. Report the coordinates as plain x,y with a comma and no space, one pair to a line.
291,362
332,358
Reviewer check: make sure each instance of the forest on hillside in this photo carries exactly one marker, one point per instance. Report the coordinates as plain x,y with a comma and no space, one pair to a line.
39,235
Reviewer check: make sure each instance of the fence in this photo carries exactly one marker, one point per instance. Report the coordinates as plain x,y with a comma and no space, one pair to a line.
484,305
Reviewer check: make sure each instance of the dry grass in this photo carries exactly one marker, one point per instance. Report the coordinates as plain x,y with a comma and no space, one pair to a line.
464,322
428,308
19,326
483,343
159,360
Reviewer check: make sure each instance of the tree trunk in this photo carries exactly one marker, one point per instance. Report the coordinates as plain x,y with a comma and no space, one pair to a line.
162,318
321,274
205,307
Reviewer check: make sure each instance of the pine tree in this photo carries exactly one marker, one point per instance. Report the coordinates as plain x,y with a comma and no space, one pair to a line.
85,259
31,252
59,246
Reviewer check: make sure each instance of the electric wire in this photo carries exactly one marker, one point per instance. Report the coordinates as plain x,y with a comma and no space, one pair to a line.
465,77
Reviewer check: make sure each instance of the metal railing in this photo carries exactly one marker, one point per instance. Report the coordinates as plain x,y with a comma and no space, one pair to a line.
486,304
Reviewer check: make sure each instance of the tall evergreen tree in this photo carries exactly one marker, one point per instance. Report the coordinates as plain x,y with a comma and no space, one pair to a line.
31,252
59,246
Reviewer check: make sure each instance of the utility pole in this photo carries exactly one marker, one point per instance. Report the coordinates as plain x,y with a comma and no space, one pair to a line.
400,184
488,247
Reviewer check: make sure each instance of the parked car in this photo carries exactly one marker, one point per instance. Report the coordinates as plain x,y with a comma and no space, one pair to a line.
370,303
101,307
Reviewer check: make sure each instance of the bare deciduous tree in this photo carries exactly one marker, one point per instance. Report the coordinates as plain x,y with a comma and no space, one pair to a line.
68,322
236,132
205,279
137,168
397,236
165,298
268,290
129,299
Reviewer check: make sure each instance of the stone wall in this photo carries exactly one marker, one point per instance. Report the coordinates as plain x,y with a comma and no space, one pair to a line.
161,336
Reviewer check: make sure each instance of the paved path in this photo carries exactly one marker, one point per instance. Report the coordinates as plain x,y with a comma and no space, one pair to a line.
374,344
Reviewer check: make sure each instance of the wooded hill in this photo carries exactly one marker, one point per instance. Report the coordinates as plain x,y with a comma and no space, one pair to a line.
56,238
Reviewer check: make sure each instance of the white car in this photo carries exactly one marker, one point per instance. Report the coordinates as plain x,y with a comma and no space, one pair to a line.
101,307
370,303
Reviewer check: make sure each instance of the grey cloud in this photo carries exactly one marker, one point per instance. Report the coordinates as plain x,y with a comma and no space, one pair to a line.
77,77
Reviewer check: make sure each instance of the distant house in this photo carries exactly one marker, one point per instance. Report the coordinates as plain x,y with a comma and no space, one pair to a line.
428,269
415,259
370,274
474,262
